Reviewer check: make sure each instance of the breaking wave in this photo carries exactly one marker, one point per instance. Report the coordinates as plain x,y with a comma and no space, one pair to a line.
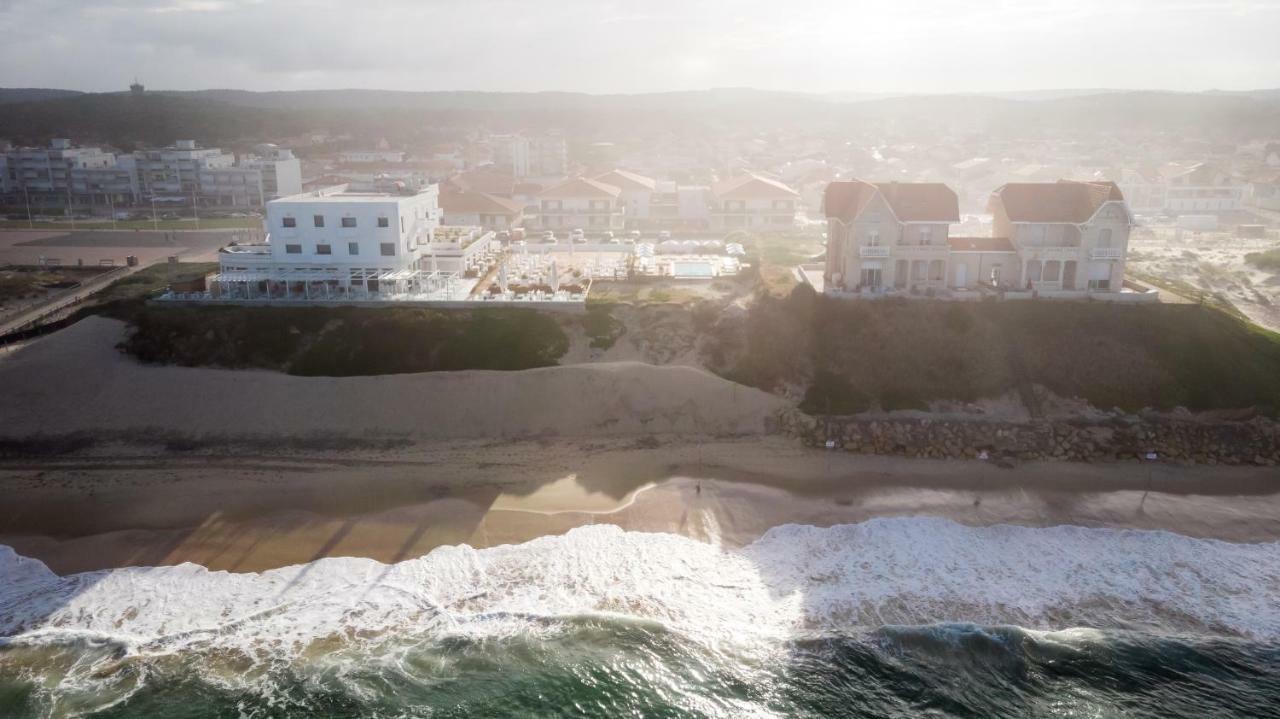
628,621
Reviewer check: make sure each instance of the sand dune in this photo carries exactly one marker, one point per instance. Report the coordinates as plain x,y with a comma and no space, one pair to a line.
75,380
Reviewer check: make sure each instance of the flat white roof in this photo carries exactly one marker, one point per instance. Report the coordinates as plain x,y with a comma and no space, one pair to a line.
346,197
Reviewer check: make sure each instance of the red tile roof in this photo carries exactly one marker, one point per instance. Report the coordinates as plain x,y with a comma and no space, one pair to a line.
910,201
752,187
980,244
479,203
1064,201
627,180
844,200
582,187
921,201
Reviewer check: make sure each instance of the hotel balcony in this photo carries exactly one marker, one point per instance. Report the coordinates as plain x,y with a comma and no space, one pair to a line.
872,251
1106,253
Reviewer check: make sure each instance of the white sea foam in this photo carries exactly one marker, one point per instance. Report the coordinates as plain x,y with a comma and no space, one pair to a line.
794,579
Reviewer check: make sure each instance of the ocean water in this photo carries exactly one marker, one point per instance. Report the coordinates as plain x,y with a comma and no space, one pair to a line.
890,617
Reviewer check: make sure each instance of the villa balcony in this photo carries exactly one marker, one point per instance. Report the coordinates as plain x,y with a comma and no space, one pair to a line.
873,251
903,249
1106,253
1048,252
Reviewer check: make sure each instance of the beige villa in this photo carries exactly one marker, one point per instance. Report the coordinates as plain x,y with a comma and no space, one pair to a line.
1054,239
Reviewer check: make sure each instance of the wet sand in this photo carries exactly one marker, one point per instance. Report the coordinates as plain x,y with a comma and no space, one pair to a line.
241,512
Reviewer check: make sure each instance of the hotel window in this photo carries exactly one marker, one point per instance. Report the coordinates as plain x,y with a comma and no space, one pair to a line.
926,235
388,249
384,222
288,222
348,222
324,249
318,220
293,249
1104,237
353,248
873,238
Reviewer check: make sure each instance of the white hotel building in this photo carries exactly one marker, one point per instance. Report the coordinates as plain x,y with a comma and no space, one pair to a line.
343,244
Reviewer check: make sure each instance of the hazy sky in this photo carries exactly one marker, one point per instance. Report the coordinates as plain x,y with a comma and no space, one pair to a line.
641,46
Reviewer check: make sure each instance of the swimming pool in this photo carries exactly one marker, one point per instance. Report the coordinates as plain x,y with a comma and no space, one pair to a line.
693,269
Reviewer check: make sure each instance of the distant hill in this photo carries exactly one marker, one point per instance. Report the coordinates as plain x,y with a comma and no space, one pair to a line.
10,95
124,120
227,116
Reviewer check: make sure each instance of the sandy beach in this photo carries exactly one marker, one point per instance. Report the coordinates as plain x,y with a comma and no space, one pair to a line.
242,512
251,470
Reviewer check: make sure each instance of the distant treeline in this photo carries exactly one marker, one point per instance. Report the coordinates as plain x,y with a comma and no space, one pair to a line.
226,116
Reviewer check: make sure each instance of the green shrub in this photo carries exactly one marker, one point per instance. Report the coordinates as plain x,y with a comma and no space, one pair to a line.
339,342
601,326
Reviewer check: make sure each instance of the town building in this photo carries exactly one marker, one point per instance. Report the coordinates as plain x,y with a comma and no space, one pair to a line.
1067,236
347,244
1264,192
50,176
186,172
531,155
888,235
637,194
1203,188
582,204
1065,239
752,202
680,207
359,157
175,171
1144,189
481,210
281,170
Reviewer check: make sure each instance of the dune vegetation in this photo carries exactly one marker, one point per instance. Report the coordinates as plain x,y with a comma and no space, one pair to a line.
847,357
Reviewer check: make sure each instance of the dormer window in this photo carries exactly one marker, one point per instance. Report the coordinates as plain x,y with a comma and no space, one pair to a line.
926,235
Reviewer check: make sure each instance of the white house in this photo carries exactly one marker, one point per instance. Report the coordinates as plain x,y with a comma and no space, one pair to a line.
1068,236
752,202
888,235
1264,192
637,194
481,210
340,243
582,204
1065,238
1203,188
